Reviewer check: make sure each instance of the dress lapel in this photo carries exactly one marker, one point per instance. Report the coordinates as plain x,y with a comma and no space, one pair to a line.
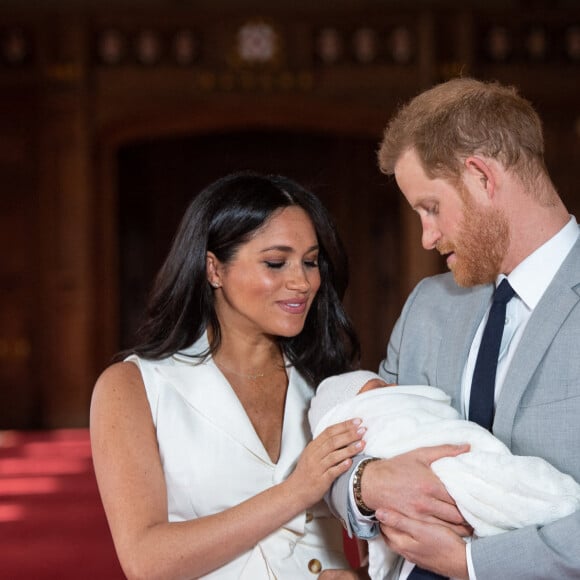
295,430
204,388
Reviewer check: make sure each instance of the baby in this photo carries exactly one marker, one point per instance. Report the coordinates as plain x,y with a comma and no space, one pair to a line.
494,490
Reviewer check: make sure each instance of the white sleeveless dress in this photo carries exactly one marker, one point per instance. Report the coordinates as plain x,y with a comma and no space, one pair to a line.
213,459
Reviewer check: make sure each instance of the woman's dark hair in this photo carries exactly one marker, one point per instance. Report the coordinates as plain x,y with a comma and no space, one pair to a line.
222,217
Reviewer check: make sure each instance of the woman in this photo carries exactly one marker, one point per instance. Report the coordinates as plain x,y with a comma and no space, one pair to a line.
200,438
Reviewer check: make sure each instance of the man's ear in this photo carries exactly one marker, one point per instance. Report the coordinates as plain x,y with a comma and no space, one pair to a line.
213,270
480,176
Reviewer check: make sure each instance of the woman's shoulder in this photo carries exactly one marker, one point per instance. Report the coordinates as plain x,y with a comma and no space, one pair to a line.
118,385
120,372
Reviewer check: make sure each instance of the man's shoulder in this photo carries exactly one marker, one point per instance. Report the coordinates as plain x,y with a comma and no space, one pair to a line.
440,298
444,285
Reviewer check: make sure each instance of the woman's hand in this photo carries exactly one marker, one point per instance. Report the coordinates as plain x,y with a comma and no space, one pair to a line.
360,574
325,458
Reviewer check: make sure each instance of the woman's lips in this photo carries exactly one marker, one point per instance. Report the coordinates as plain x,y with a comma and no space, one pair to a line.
293,306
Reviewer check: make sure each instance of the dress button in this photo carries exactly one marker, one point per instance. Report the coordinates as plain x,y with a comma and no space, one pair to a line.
309,517
314,566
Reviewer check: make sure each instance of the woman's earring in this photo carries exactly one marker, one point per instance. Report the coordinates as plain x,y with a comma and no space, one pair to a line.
215,284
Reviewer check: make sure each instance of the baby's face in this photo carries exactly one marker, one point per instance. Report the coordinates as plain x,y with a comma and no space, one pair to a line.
374,384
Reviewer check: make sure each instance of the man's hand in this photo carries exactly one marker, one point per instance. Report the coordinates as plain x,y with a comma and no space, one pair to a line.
431,546
406,485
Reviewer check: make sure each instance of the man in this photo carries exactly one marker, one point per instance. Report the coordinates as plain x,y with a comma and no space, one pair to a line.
468,157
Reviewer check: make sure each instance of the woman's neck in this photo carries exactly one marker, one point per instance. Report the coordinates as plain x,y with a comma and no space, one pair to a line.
247,356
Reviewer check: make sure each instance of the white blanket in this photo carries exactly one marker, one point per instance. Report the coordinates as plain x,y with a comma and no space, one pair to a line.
494,490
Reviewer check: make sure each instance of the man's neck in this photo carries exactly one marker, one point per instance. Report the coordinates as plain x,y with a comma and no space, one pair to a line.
531,231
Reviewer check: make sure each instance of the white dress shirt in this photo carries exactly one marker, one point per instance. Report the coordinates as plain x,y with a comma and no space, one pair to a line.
529,279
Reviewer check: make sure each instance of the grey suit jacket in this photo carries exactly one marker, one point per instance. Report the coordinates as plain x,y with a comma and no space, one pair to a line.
538,411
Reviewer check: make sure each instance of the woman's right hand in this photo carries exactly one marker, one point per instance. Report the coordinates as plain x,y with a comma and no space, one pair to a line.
325,458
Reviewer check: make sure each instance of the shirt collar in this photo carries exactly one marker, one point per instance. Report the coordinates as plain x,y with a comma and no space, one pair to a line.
531,277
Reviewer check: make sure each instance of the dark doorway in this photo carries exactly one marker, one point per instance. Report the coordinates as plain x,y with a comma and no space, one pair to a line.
158,178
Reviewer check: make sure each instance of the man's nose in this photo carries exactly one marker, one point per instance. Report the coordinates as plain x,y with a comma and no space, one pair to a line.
430,236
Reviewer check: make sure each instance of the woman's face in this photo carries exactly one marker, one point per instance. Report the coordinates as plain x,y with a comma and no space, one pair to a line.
270,284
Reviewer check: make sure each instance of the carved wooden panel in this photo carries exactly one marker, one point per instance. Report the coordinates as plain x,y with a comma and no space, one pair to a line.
84,84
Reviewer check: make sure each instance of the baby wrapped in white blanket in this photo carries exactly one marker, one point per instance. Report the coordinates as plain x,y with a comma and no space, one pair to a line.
494,490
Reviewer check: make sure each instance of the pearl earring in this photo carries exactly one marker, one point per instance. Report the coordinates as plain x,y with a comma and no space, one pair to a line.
215,284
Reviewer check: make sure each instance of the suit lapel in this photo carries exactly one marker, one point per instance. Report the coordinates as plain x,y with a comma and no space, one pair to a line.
461,326
560,298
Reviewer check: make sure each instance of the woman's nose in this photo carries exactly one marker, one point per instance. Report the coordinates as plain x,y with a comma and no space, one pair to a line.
298,279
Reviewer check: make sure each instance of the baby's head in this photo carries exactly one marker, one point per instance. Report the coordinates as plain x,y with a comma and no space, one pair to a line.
374,383
339,389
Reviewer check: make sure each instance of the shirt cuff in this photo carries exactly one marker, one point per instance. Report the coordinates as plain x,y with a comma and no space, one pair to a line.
364,527
470,568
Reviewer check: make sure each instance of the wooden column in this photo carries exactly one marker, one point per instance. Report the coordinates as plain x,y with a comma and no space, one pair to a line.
19,400
65,293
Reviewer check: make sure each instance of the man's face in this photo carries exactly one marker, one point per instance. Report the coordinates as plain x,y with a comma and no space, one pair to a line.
480,246
473,238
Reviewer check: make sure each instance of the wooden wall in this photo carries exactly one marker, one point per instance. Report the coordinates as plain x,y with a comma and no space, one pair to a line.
95,99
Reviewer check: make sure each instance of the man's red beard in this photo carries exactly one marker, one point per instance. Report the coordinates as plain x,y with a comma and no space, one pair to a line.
481,245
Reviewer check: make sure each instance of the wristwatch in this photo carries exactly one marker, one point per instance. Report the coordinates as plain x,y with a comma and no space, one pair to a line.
356,487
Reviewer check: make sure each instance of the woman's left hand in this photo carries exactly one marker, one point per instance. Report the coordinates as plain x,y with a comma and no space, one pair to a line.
324,459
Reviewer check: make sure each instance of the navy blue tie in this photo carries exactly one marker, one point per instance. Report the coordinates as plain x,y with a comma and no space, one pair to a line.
481,400
418,573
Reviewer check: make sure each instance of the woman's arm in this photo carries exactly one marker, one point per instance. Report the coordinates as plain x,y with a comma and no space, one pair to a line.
132,487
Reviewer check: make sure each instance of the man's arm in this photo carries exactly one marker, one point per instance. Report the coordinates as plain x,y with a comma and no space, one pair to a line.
531,552
546,552
341,502
403,484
